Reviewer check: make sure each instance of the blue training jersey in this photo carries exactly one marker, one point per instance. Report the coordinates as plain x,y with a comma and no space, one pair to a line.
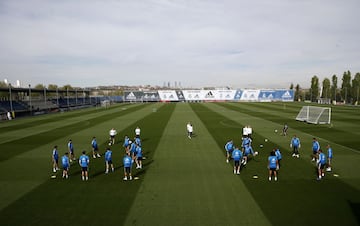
127,161
322,158
126,142
132,147
246,142
108,155
278,154
55,154
65,161
316,146
94,143
295,142
70,146
272,162
138,141
229,146
237,155
139,151
329,153
84,161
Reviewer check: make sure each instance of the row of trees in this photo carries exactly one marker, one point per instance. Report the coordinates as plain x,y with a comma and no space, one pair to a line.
329,89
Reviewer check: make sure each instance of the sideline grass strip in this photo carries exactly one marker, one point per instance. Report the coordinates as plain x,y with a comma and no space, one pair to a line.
297,198
103,200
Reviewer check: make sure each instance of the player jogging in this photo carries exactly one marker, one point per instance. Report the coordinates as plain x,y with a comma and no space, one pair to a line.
315,149
65,165
84,163
95,148
229,147
126,143
112,134
329,157
55,159
321,163
295,145
237,156
127,161
108,161
273,165
285,129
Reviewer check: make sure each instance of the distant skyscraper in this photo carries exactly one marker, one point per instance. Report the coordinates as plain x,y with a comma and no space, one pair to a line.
175,84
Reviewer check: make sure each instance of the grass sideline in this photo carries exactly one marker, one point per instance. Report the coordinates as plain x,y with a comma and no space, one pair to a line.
177,186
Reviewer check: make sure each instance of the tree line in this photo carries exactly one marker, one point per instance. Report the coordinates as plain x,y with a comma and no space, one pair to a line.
347,93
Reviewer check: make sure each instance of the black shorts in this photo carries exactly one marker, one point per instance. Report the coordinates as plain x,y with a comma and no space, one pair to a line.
139,158
272,169
321,166
237,162
109,162
84,169
127,169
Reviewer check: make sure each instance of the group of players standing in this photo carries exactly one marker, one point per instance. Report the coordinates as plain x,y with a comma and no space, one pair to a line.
133,153
240,157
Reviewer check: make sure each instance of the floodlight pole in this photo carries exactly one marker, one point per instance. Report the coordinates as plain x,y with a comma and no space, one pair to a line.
11,105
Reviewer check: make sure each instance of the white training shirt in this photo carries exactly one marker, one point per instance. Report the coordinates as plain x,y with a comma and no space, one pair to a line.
112,132
137,131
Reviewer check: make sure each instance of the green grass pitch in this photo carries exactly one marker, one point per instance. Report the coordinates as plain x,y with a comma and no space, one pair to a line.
183,181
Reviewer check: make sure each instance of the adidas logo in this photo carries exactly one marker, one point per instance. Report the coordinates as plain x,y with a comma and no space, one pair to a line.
209,95
286,95
131,96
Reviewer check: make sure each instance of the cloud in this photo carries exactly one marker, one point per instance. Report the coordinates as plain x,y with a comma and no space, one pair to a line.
89,43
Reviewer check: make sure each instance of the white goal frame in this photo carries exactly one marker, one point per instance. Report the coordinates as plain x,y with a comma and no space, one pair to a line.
314,115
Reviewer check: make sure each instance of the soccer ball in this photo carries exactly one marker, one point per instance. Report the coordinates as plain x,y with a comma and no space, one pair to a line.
266,140
110,143
276,131
256,153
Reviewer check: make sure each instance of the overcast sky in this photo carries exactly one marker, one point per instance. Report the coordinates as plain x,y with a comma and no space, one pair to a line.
236,43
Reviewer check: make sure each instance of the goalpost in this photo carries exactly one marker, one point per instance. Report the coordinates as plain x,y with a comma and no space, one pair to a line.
314,115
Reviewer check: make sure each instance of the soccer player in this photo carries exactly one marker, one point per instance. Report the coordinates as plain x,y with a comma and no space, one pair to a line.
229,147
66,165
137,132
126,143
55,159
127,161
112,134
84,163
137,141
321,163
95,148
237,156
139,156
295,145
273,165
132,151
278,156
285,129
189,129
108,161
246,141
315,149
71,150
248,150
329,157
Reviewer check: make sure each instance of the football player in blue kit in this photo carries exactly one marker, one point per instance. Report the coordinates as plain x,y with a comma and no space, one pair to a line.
321,163
108,161
84,164
237,156
273,165
65,165
229,147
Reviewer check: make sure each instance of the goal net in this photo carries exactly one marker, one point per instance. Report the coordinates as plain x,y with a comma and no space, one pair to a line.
314,115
